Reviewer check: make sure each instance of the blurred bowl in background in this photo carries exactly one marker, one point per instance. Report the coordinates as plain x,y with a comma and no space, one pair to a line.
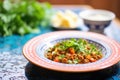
97,20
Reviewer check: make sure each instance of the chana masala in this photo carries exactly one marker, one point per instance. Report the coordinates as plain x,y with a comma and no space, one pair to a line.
74,51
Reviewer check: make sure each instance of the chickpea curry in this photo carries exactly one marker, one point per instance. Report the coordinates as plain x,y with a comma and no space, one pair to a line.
74,51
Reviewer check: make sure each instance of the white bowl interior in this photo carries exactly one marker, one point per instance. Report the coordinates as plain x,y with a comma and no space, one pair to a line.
97,15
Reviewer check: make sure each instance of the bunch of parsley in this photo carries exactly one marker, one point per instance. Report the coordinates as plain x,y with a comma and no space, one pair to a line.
22,16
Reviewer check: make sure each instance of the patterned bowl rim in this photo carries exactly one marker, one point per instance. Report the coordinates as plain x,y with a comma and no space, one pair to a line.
30,52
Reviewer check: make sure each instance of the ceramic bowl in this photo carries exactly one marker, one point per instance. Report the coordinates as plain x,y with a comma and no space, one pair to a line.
97,20
35,48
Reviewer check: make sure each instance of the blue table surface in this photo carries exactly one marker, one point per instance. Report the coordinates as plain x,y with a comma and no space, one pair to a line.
11,50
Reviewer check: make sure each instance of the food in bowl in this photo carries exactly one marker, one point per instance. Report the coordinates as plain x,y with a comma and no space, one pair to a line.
65,20
74,51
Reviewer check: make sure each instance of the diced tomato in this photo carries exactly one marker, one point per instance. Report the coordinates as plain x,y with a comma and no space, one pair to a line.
71,50
88,56
56,59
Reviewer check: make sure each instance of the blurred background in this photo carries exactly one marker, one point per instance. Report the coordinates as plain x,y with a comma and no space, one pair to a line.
21,20
112,5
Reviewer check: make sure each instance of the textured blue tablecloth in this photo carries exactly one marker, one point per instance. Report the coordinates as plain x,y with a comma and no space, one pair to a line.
12,62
